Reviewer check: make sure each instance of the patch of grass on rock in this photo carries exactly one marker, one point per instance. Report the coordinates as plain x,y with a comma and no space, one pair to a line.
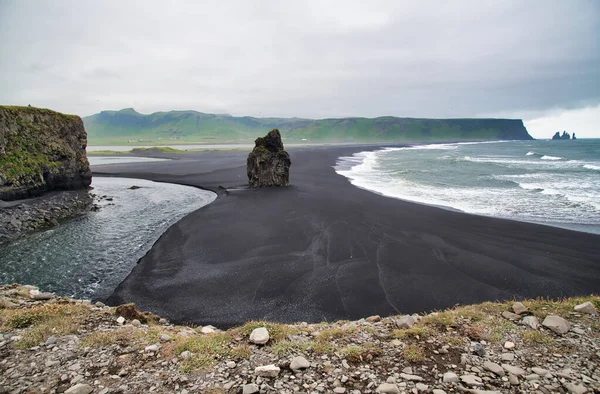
418,332
414,354
206,350
532,336
277,332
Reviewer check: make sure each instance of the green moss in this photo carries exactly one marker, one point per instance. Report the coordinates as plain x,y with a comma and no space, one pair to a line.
29,152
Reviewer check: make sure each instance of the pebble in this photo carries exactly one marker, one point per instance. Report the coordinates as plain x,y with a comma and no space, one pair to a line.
494,368
450,377
80,388
388,388
405,321
471,380
121,320
250,388
531,321
136,323
298,363
513,370
509,345
269,371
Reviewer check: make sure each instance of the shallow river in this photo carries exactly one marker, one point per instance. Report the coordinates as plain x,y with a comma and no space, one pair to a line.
89,256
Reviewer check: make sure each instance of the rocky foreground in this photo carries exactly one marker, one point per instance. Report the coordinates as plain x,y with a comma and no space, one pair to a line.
51,344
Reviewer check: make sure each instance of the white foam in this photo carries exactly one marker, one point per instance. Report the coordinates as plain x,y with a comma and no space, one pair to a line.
528,198
530,153
546,157
591,167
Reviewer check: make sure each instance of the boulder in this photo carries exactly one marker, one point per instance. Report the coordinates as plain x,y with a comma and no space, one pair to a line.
556,324
41,150
268,164
586,307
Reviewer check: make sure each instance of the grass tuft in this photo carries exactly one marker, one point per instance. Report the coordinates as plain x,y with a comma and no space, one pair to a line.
414,354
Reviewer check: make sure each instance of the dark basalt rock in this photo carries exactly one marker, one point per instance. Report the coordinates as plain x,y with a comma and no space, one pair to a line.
564,136
268,164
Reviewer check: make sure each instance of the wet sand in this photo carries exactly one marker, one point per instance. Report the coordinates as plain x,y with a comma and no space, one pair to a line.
323,250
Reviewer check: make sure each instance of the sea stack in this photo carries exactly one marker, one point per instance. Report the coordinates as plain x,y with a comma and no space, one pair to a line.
41,150
268,164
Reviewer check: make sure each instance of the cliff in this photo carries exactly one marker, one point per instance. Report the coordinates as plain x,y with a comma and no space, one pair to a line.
191,126
41,150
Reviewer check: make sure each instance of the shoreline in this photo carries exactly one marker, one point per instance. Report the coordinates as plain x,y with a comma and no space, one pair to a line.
324,249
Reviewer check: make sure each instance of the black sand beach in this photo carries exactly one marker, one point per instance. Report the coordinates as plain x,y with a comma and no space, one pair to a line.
323,249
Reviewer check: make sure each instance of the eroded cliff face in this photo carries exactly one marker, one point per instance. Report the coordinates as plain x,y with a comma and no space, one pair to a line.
268,164
41,150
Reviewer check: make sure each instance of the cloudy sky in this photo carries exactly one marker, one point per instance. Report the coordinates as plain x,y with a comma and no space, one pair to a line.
536,60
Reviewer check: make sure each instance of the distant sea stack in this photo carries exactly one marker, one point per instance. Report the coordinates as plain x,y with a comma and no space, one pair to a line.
268,164
41,150
563,136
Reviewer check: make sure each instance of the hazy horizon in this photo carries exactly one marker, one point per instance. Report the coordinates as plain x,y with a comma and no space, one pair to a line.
538,61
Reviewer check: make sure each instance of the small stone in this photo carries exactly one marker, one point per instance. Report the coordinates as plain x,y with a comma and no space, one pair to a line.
185,355
556,324
387,388
513,370
250,389
479,350
373,319
339,390
531,321
298,363
494,368
163,321
519,308
532,376
471,380
586,307
438,391
513,380
540,371
259,336
136,323
450,377
99,304
396,343
414,378
121,320
268,371
80,388
50,341
507,356
509,345
510,316
152,348
164,337
208,330
405,321
231,364
77,379
51,363
421,387
408,370
38,295
575,388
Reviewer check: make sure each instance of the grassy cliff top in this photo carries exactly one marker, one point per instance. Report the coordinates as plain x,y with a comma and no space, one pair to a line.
477,347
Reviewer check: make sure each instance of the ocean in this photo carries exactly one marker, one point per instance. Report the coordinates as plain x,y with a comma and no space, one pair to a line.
555,183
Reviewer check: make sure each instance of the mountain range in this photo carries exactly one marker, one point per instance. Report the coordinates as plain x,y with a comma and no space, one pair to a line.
128,125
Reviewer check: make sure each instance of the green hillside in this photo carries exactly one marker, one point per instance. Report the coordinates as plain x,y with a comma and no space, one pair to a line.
127,125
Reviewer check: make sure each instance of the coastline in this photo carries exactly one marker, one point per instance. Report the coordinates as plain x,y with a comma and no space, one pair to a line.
324,249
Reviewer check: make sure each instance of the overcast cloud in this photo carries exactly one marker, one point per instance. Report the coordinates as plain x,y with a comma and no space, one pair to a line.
528,59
